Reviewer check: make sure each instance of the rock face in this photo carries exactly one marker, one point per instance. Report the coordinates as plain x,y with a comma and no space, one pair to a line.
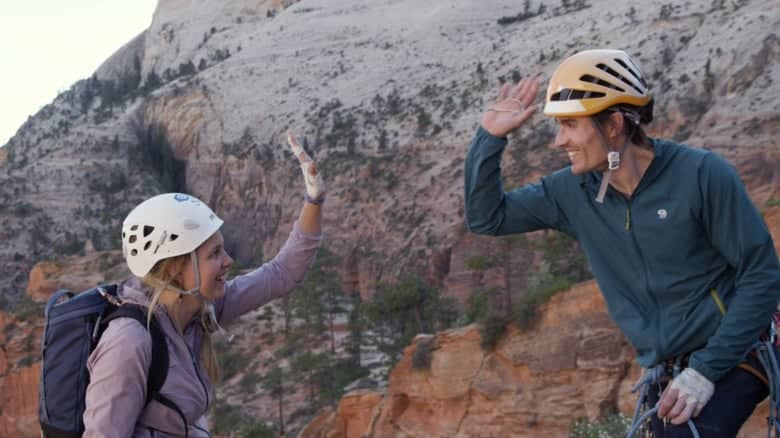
535,383
75,273
573,364
214,84
19,376
354,417
20,338
387,95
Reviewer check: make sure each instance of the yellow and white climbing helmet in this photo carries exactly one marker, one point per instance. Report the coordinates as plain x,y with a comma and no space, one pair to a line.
592,81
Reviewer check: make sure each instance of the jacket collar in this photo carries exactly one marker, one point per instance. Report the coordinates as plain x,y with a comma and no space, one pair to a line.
592,180
134,292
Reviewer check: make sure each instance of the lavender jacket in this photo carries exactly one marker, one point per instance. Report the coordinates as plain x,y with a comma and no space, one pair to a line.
118,367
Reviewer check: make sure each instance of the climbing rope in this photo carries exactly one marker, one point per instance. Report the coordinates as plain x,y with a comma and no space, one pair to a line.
651,377
766,350
767,353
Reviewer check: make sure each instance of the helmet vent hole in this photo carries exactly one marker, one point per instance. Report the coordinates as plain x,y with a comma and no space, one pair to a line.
617,75
148,230
133,238
569,94
174,237
123,234
134,227
603,83
148,244
134,252
633,70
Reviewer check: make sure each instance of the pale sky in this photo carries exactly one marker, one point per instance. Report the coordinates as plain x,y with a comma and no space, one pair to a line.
47,45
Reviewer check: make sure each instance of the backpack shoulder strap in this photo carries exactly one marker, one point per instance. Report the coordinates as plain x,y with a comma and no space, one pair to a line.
158,370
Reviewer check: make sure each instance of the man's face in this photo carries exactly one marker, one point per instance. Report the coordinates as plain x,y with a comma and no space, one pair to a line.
579,137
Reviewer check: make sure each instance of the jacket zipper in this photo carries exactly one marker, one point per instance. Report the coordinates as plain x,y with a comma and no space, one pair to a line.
194,364
718,301
197,372
202,430
647,273
628,219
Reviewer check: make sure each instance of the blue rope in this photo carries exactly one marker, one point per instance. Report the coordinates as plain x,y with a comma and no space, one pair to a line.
767,355
650,377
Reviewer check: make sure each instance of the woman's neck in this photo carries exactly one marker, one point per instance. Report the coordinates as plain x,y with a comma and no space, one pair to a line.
181,308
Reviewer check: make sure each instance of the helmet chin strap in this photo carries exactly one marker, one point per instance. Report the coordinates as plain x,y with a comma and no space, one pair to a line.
210,323
196,290
613,161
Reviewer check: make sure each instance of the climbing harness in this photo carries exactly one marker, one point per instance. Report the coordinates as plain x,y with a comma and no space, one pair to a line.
765,349
767,352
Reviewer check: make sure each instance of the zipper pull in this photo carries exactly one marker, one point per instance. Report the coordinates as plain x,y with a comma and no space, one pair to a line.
628,219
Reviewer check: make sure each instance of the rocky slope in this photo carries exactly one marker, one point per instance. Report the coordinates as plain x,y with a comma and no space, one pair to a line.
20,373
573,364
387,95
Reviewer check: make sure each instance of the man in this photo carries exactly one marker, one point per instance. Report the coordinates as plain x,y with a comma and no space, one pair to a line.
684,260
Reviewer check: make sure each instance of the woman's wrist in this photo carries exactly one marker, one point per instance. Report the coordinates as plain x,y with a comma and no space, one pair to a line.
315,201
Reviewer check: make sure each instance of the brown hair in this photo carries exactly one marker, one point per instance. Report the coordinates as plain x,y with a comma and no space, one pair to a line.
157,281
631,129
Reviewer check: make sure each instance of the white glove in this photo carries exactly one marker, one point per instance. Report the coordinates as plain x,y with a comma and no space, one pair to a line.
693,393
315,186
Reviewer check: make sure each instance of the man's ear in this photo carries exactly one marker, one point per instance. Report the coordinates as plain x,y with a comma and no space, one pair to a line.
615,126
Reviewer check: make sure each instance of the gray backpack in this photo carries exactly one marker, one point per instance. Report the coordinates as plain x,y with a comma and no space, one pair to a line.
72,330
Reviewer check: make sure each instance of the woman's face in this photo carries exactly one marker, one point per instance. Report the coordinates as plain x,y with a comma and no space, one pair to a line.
213,264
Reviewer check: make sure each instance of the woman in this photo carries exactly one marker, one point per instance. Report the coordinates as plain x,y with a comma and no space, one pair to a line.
172,243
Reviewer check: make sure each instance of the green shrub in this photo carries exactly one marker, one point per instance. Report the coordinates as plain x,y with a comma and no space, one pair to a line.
257,429
615,425
27,308
249,381
479,262
492,330
423,353
225,418
231,362
479,305
27,361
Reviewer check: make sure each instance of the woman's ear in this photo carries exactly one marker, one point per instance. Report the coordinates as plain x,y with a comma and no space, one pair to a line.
176,272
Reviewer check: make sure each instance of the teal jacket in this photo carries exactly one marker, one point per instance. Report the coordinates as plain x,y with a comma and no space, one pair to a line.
686,265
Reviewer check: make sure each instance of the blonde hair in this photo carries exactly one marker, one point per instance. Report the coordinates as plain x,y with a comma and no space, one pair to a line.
158,280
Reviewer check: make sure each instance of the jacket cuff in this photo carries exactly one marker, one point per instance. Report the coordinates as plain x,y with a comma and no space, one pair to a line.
482,132
298,231
706,371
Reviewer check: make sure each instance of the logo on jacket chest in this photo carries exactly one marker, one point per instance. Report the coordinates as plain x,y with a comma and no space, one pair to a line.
662,213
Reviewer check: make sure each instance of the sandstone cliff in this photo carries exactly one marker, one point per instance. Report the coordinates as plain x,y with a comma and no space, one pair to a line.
19,374
573,364
387,96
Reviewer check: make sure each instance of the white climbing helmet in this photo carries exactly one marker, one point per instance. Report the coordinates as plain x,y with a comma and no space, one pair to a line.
165,226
